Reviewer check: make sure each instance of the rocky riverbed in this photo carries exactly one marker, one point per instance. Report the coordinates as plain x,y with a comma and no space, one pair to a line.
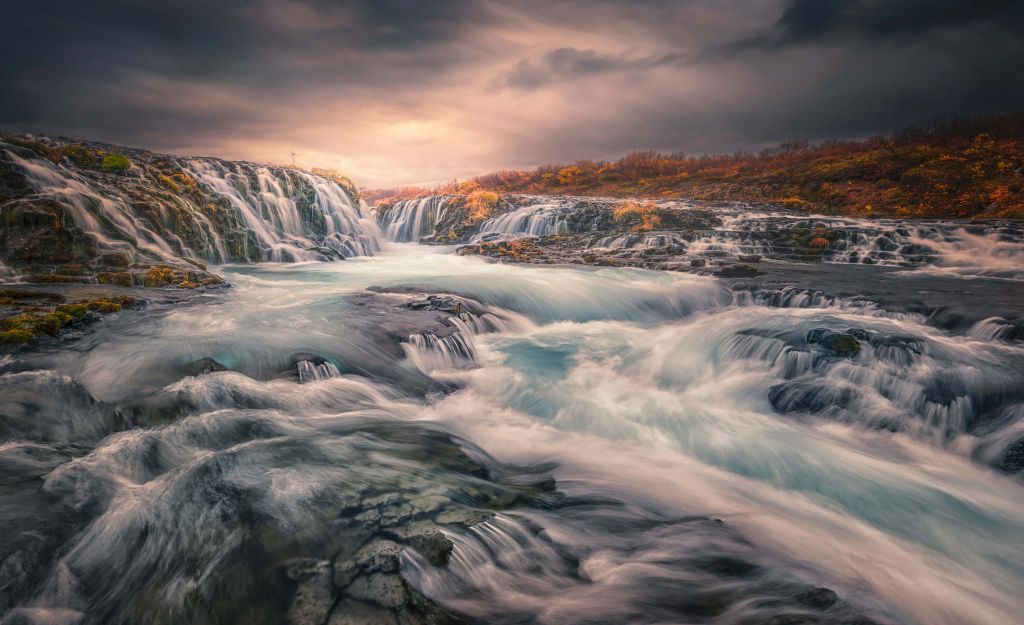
574,411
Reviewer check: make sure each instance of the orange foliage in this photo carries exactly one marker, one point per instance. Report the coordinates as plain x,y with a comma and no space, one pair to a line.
961,168
644,216
481,204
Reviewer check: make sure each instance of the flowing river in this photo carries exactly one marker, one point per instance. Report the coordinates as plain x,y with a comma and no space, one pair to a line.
708,465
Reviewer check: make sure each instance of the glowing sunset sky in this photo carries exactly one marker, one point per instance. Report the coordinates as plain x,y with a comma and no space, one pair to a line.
403,92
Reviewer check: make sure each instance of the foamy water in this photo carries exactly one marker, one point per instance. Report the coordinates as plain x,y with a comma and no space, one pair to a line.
648,389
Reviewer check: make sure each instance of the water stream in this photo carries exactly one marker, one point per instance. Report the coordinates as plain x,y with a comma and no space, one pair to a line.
710,465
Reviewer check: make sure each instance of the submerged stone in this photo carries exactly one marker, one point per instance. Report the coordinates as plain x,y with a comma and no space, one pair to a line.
840,343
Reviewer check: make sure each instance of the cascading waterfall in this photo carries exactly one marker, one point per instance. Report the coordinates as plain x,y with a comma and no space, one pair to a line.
410,220
246,212
269,203
541,219
104,213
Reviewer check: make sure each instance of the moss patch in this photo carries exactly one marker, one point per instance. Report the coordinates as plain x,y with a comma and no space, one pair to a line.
116,163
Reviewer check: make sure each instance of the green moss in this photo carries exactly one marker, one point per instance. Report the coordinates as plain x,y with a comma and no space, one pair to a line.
122,278
78,311
103,306
116,163
16,336
159,276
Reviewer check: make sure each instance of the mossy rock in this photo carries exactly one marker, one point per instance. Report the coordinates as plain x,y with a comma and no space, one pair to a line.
159,276
839,343
77,311
16,336
121,278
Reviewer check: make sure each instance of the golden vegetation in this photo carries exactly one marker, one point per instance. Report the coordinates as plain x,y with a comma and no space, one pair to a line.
640,216
40,321
972,167
481,204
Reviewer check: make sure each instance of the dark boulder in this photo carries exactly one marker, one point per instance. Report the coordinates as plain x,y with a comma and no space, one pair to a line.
839,343
738,271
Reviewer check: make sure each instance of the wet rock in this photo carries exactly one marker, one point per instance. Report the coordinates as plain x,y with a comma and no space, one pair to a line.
840,343
437,302
379,557
202,366
435,547
349,612
386,590
749,258
314,592
738,271
819,598
698,262
859,334
1012,459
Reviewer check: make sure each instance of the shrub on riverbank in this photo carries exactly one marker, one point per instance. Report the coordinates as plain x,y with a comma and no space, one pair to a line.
972,167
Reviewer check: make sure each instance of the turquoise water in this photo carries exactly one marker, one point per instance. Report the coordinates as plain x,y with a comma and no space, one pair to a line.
649,388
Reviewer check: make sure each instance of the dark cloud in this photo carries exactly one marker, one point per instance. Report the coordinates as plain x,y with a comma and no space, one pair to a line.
569,63
830,21
405,91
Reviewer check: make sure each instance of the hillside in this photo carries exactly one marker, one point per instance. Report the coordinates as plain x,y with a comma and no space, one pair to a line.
964,168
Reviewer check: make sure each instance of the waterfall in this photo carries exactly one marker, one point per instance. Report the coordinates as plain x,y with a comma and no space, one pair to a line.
104,212
543,219
408,221
228,212
293,214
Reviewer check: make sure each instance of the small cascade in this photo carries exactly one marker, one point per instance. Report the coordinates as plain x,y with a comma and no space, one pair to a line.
408,221
995,329
428,351
987,249
544,219
310,372
892,381
437,351
641,241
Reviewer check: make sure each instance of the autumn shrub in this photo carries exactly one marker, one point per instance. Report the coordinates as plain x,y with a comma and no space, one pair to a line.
639,216
168,182
968,167
481,204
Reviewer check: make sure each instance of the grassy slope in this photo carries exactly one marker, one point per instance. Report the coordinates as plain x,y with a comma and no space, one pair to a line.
971,167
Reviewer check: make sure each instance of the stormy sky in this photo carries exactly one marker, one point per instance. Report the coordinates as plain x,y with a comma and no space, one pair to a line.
409,91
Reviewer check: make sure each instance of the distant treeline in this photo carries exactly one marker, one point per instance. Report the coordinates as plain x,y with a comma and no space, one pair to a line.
964,167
